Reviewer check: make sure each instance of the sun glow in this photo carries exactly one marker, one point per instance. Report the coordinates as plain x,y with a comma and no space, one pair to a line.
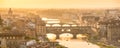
59,3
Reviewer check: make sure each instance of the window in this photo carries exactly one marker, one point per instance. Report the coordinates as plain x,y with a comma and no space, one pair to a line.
0,42
7,37
13,37
68,30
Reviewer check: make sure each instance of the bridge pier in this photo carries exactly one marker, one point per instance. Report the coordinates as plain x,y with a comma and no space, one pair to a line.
74,36
57,36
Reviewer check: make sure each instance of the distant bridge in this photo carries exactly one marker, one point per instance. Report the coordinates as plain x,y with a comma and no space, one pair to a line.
72,30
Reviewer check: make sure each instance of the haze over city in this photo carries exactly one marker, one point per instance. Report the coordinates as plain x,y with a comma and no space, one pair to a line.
59,3
59,24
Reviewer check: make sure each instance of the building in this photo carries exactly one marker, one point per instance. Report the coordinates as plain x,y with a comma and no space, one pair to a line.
3,43
40,29
12,39
110,31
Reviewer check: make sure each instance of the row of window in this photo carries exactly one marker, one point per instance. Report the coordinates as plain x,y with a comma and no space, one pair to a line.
11,37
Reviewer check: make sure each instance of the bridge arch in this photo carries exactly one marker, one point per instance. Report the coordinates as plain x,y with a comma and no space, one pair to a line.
66,36
81,36
51,36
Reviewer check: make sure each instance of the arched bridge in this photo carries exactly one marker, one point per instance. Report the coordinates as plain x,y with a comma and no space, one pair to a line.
73,30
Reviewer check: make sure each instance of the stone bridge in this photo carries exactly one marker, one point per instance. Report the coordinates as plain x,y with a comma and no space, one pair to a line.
72,30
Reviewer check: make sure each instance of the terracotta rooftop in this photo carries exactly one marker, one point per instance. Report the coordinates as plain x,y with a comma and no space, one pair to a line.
12,34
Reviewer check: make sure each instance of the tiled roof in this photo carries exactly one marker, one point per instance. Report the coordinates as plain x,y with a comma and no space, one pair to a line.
12,34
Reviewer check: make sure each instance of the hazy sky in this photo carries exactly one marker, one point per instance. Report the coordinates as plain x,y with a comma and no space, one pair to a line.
59,3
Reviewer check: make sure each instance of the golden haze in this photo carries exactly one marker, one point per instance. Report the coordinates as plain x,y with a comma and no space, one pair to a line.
59,3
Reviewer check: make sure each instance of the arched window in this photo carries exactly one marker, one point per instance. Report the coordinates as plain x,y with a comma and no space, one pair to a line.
13,37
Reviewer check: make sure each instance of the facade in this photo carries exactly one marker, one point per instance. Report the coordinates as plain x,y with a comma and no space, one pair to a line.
3,43
40,29
12,39
110,30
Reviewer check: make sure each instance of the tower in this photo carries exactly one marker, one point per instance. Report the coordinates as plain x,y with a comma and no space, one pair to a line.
10,12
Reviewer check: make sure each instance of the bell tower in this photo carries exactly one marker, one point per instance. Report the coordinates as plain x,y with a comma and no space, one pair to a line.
10,12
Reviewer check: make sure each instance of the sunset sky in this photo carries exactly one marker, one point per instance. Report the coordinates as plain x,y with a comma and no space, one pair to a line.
59,3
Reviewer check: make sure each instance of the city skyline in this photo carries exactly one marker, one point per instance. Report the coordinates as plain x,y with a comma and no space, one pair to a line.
59,3
59,28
